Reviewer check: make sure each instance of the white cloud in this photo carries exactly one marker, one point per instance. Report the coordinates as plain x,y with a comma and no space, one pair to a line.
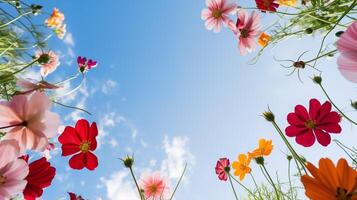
109,85
119,186
68,39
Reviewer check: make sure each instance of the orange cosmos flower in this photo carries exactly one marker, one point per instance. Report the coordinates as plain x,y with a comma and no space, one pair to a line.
55,19
241,167
263,39
264,149
287,2
330,182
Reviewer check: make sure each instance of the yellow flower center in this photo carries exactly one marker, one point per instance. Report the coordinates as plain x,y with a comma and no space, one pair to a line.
2,180
84,146
217,14
153,188
342,194
310,124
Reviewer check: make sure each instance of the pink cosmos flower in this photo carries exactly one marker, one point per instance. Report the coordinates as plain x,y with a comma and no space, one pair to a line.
347,46
9,151
222,169
154,185
83,65
28,85
216,13
12,178
247,30
28,120
48,62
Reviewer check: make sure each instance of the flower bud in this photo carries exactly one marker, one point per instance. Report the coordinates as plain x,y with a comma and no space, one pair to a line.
354,104
309,30
269,116
317,79
339,33
128,162
259,160
289,157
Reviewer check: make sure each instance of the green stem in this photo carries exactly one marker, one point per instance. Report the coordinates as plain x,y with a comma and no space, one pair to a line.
234,191
178,183
335,106
247,189
15,19
291,149
256,186
289,176
271,181
323,55
20,70
343,147
72,107
136,183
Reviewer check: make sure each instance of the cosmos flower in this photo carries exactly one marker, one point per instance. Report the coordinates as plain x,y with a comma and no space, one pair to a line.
265,148
55,20
29,121
40,176
287,2
241,167
222,169
247,30
27,86
48,61
73,196
216,13
60,31
263,39
9,151
347,46
154,185
12,178
330,182
85,65
267,5
81,141
317,123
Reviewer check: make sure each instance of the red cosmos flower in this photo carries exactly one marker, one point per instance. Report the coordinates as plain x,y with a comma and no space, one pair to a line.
267,5
80,139
83,65
40,176
222,169
73,196
317,123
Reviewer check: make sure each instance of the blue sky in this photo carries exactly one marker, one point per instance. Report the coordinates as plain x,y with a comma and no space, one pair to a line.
171,92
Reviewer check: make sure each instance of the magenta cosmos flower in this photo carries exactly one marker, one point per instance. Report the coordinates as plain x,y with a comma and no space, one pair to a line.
316,124
85,65
27,119
347,46
154,185
247,30
12,179
48,61
223,168
216,13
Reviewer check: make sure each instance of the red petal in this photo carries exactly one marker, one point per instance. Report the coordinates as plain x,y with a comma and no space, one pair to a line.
292,131
314,108
293,119
322,137
324,111
93,132
331,128
306,139
91,161
69,149
77,161
69,136
93,145
82,127
72,196
332,117
301,112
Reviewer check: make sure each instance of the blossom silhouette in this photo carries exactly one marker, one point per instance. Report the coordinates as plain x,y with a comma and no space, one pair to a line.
306,126
81,141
